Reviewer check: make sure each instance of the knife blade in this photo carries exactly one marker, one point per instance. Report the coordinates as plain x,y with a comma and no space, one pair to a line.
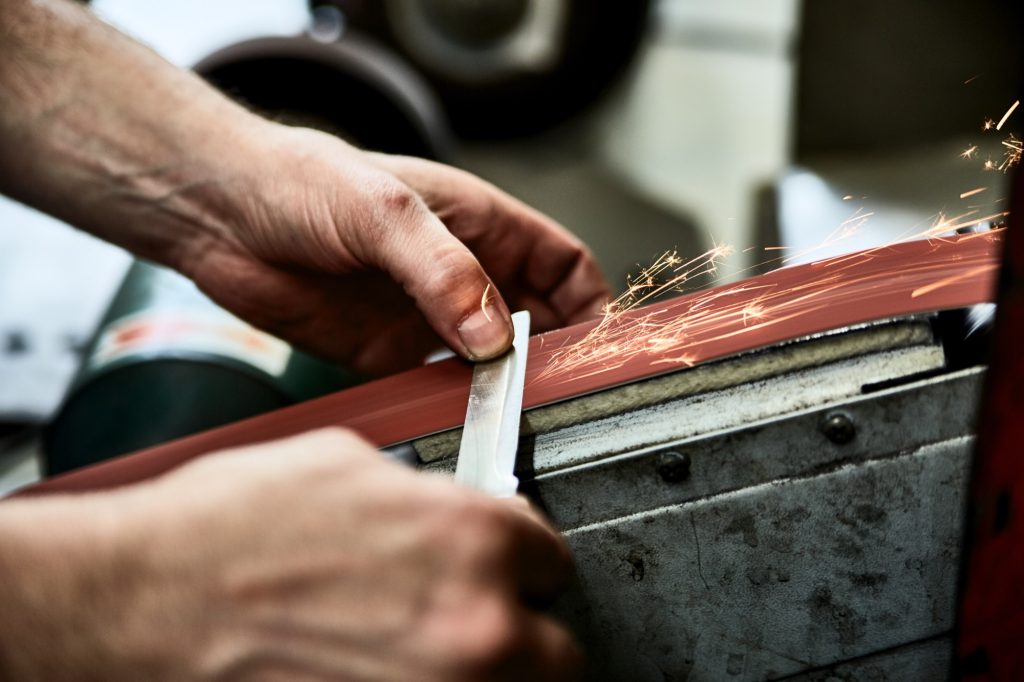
490,437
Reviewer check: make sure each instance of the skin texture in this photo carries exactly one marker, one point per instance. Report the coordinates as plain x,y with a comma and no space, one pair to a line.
310,558
359,257
243,565
433,247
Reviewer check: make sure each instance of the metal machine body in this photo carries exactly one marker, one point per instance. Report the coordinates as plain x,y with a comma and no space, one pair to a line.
790,513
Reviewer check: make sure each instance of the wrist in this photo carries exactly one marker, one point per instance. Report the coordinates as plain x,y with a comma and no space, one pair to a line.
67,580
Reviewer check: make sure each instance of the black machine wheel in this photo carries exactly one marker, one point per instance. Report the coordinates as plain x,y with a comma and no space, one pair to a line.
509,67
353,88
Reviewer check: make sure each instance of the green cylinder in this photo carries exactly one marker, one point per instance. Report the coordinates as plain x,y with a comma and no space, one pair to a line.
167,362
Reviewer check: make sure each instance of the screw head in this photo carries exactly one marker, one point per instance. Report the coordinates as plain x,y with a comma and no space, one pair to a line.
673,467
838,428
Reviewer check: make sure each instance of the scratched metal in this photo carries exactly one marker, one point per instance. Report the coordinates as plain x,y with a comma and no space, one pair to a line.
782,553
928,660
490,438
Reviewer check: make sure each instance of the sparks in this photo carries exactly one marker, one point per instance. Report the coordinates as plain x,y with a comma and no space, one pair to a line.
629,333
623,334
934,286
1009,112
484,301
1014,150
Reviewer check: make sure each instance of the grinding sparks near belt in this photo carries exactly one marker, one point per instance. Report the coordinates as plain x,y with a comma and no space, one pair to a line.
1014,149
1007,115
620,335
629,333
484,300
1012,145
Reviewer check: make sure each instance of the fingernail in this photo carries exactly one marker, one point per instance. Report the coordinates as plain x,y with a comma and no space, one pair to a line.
486,333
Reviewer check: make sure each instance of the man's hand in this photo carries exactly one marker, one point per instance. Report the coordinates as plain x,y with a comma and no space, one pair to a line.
362,258
312,558
359,256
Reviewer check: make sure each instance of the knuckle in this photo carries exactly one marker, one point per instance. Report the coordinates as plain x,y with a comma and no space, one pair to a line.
386,209
453,270
490,636
392,197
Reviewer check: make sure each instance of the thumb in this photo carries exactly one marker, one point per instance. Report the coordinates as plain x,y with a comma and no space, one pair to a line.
446,281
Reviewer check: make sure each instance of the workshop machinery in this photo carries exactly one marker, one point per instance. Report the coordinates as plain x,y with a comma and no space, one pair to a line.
790,506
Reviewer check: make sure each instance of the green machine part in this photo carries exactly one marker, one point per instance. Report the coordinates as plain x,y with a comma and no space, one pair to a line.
167,362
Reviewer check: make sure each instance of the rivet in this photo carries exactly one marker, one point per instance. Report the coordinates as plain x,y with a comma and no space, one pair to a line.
673,467
838,428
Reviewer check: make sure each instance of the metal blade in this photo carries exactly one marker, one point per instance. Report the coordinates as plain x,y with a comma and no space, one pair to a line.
490,438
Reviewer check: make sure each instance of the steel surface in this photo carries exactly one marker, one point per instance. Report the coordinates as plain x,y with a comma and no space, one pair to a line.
490,438
902,279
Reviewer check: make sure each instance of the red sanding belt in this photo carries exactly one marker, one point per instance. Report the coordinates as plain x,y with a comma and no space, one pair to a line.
789,303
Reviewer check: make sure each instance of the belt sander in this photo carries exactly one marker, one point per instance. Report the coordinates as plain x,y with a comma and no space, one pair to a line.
759,481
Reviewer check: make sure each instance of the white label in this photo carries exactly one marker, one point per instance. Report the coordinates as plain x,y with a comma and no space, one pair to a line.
191,331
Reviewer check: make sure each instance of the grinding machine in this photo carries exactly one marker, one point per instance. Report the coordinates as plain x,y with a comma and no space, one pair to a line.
786,506
761,501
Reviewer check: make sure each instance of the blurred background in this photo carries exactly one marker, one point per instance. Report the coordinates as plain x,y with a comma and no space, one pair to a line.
642,126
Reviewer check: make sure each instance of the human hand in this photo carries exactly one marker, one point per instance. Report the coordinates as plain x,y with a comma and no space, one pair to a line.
307,558
359,256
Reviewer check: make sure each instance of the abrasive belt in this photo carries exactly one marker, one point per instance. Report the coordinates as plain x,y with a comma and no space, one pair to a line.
792,302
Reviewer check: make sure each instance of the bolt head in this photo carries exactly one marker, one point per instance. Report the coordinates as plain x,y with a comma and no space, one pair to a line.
673,467
839,428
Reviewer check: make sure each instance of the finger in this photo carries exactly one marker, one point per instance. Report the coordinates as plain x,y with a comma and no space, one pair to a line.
567,274
442,276
512,239
550,652
541,561
402,343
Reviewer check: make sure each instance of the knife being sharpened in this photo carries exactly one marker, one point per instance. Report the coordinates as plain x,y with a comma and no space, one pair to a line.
490,438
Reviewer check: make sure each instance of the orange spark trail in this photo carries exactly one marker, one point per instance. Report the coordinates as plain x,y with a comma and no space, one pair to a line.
483,302
946,281
628,334
1014,150
1009,112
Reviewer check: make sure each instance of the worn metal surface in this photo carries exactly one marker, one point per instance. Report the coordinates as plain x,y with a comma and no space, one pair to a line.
801,524
928,660
728,394
791,446
796,354
775,578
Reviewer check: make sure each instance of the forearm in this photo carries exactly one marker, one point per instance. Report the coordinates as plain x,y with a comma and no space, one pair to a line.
57,570
103,133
